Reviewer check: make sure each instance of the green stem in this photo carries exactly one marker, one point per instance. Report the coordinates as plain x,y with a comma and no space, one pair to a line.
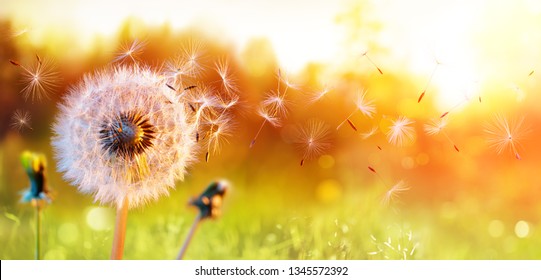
189,237
38,230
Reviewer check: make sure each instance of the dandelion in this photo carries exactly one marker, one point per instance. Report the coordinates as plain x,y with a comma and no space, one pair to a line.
400,131
120,138
436,126
504,135
209,204
312,139
130,51
220,129
363,105
34,165
438,63
365,54
21,120
39,79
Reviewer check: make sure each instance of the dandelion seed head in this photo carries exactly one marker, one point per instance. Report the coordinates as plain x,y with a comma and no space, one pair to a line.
400,131
118,136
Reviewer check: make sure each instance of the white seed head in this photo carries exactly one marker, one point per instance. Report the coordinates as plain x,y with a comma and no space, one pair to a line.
118,136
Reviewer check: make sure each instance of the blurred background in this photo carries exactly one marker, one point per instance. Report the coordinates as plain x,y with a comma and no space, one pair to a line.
474,60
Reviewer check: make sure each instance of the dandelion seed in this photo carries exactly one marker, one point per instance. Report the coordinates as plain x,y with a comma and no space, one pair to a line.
531,73
312,139
394,192
39,79
193,54
400,131
457,105
363,105
370,133
365,54
318,95
438,63
130,51
436,126
228,83
219,131
503,135
21,120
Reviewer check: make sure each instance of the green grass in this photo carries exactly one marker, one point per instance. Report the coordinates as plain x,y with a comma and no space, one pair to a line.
264,226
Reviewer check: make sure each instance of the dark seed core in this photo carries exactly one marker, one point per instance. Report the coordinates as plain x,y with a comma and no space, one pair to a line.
127,135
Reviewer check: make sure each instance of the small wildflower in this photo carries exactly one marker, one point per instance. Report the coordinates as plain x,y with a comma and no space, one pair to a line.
34,164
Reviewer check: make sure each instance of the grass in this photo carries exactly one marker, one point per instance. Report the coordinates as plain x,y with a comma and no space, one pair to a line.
356,227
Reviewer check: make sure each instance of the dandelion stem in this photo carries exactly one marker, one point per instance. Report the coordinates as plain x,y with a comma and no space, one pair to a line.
38,228
189,237
257,134
120,231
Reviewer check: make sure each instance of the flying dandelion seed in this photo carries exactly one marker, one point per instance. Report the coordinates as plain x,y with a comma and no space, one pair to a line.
370,133
436,126
466,99
393,193
21,120
400,131
365,54
503,135
312,139
119,138
438,63
40,79
275,106
362,104
130,52
318,95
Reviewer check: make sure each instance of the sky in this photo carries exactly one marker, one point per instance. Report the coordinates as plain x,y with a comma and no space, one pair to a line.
471,39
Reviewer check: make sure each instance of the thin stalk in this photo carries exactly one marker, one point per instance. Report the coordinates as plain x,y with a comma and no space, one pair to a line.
189,237
120,231
38,229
